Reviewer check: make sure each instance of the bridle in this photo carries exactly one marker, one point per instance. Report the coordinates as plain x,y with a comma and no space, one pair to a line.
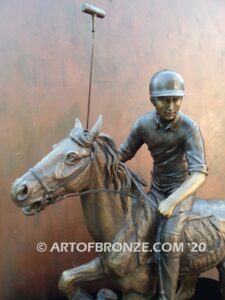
50,191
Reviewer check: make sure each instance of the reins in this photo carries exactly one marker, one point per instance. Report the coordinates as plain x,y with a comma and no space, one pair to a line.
49,191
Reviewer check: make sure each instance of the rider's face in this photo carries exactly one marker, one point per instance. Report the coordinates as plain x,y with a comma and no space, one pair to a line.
167,107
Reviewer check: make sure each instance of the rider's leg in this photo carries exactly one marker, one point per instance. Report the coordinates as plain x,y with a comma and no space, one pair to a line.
170,235
169,265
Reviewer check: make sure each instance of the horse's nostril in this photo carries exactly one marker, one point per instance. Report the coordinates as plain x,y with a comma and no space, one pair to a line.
22,193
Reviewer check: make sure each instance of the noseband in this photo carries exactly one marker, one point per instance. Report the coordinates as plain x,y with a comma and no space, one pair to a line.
49,191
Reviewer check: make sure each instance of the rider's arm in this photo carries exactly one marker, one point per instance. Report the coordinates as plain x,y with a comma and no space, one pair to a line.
133,142
189,187
195,154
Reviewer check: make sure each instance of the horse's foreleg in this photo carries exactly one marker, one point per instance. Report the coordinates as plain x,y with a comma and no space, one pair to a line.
91,271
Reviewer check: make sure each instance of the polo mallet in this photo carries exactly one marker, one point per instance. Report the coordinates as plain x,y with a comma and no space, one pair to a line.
94,12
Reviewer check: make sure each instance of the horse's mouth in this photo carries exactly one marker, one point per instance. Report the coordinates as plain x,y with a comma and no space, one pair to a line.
33,209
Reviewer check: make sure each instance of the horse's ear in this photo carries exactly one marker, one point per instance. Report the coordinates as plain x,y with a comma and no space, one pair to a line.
96,128
78,125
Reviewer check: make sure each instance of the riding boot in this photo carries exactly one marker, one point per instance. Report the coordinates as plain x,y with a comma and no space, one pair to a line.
169,266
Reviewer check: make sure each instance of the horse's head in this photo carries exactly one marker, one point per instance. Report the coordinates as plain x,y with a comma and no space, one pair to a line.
66,168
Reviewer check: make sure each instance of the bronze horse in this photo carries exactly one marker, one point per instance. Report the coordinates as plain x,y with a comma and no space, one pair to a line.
117,210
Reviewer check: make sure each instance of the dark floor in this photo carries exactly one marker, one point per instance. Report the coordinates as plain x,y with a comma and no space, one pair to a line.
207,289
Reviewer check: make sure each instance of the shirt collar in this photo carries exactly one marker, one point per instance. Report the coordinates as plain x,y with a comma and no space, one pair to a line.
174,125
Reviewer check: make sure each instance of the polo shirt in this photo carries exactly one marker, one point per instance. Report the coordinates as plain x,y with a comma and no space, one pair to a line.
177,149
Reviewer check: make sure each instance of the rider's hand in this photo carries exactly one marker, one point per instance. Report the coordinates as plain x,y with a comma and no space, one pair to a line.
166,208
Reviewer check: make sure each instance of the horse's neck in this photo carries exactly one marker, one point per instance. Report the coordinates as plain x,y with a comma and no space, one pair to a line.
103,211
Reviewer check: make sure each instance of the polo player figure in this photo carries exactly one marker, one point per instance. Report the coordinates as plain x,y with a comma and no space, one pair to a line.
179,168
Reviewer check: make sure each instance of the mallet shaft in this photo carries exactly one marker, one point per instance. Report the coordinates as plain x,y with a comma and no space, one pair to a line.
94,12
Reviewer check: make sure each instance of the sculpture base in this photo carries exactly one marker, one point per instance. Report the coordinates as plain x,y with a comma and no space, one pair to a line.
206,289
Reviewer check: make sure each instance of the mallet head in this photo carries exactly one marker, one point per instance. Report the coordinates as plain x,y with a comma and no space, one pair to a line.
92,10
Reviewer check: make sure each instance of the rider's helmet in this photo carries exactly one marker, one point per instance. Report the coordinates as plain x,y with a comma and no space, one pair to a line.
166,83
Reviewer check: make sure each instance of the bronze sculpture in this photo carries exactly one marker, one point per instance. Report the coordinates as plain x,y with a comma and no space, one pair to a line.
117,210
179,167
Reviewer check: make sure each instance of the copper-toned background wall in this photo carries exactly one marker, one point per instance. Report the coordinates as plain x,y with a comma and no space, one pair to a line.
44,73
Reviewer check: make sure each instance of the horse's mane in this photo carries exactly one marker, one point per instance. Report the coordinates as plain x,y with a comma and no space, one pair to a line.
114,167
117,173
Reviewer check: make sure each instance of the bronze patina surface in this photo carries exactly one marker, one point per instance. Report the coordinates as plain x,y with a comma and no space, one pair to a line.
45,64
179,168
87,160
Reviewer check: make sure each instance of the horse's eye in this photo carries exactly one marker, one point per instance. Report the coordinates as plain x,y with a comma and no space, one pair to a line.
71,158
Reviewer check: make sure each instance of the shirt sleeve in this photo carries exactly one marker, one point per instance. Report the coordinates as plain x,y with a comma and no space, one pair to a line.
133,142
195,150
